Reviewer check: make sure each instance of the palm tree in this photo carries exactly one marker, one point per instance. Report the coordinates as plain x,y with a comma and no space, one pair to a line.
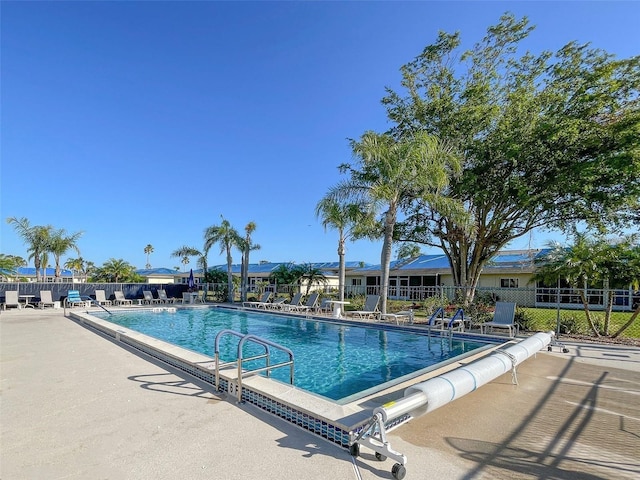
391,171
576,265
37,239
227,237
184,253
311,275
60,243
116,270
284,274
246,246
148,250
350,220
76,265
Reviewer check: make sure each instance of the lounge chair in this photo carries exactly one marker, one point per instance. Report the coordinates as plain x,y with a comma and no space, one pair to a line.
11,299
162,296
276,304
369,310
295,302
45,299
325,306
101,298
261,303
311,304
120,298
148,297
75,299
503,317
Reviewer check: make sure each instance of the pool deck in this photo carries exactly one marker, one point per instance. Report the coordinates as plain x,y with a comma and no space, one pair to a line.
75,405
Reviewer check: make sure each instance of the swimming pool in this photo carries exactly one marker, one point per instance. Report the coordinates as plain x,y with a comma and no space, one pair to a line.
338,361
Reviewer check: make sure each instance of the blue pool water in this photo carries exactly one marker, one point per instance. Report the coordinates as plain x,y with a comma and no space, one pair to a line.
335,360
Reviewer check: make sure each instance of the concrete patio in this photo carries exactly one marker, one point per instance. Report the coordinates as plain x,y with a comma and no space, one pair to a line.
75,405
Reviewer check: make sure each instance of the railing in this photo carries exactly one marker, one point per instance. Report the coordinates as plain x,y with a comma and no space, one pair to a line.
240,359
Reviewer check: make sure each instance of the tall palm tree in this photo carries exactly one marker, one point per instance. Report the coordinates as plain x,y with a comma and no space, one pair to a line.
246,246
60,243
36,238
148,250
389,172
227,237
184,253
351,221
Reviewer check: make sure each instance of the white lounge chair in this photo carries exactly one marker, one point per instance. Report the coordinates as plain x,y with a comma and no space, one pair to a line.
276,304
101,298
503,317
369,310
45,299
162,296
11,299
120,298
295,302
310,304
261,303
148,297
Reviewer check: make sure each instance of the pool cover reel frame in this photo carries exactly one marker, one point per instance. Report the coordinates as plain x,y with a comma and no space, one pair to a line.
426,396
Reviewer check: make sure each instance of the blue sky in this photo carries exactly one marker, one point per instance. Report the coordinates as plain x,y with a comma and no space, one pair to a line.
144,122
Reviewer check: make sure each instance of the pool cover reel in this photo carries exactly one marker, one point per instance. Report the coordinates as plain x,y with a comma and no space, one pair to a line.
438,391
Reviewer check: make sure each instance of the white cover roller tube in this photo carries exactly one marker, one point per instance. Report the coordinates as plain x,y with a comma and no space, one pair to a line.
436,392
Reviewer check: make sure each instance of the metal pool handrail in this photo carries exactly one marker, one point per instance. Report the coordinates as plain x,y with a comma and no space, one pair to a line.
240,359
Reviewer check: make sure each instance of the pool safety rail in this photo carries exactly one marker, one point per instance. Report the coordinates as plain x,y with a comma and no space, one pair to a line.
236,388
426,396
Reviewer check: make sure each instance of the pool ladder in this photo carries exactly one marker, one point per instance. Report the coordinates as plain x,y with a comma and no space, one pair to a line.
236,388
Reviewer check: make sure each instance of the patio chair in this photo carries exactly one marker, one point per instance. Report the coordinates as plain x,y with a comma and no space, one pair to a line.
263,300
101,298
369,310
503,317
75,299
311,304
162,296
45,299
295,301
325,306
148,297
11,299
276,304
120,299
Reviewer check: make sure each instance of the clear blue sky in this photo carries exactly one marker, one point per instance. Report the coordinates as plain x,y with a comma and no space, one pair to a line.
144,122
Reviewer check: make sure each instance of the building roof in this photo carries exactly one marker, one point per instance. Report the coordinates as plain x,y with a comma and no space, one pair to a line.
31,272
439,263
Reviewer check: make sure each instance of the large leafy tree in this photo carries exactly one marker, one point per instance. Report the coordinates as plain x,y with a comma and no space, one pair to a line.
37,238
246,246
389,173
227,237
59,244
548,139
10,263
352,221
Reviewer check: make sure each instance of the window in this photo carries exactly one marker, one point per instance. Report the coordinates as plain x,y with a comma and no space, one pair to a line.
356,281
508,283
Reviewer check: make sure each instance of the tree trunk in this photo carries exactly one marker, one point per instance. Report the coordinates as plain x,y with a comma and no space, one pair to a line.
385,257
587,313
229,276
628,324
341,268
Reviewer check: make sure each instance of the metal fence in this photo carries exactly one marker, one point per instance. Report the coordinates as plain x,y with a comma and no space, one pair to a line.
560,310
